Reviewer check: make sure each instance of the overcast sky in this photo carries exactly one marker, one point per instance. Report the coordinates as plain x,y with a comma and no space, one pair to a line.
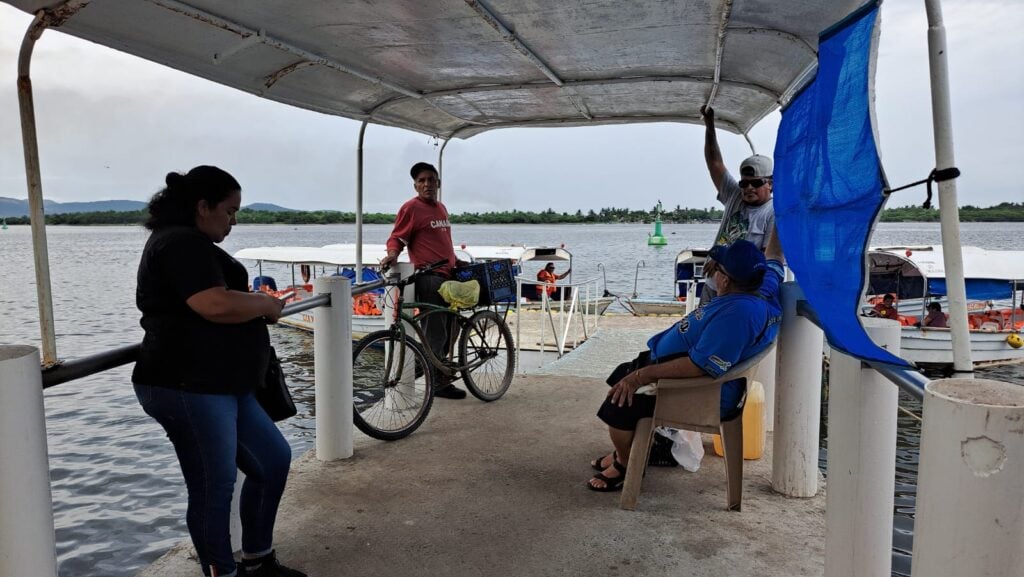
111,125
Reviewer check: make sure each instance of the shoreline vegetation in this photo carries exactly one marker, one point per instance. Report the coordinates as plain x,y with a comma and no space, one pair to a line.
1004,212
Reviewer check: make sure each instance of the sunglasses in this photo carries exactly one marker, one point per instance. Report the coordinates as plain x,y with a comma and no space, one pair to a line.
754,182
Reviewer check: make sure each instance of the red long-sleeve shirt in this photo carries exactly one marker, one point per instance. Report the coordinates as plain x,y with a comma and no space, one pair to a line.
423,227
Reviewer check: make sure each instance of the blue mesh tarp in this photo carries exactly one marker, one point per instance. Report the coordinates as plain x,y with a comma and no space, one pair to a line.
977,288
829,182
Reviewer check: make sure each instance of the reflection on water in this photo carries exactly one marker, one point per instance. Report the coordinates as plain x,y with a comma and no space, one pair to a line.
118,495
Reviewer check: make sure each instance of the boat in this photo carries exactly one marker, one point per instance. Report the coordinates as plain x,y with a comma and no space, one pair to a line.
689,275
530,298
332,259
340,259
916,276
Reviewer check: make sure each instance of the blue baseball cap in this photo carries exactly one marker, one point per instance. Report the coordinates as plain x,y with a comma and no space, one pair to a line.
742,260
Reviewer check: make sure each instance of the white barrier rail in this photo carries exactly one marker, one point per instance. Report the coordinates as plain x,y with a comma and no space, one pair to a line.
569,320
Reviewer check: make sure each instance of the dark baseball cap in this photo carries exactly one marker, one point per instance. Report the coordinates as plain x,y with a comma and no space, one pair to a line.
742,260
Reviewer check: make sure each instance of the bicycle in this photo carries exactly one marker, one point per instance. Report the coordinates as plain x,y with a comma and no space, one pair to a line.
393,373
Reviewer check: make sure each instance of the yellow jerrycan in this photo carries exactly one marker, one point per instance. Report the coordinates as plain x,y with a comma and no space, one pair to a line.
753,424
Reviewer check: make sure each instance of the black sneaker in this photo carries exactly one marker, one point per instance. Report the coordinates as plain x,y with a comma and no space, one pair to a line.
266,566
450,391
661,452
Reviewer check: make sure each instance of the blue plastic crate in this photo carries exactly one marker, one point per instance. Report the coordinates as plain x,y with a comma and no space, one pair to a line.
495,277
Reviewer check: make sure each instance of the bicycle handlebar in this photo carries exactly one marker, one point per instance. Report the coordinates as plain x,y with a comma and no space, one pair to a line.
417,273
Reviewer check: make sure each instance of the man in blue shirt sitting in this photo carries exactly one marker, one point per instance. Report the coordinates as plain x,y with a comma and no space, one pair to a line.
739,323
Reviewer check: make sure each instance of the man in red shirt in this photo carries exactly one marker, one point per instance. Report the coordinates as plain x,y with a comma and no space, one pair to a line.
885,309
422,226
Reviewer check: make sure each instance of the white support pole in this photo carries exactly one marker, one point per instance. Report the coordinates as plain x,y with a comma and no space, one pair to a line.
765,374
862,410
27,544
949,210
359,204
440,168
34,181
797,401
970,481
332,362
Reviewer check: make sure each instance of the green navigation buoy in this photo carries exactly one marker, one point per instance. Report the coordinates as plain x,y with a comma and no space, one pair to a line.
657,239
5,224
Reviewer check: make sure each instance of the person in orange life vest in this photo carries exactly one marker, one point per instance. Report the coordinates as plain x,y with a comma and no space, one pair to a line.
547,275
422,226
885,309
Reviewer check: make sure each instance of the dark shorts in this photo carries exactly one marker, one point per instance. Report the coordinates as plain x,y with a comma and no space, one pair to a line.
626,417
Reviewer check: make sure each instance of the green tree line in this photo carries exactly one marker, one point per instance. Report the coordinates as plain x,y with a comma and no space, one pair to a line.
1004,212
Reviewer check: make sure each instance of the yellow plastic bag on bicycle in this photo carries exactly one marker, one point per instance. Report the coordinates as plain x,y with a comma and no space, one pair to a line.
460,295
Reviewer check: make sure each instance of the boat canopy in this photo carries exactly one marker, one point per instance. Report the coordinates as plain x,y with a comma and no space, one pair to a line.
553,254
485,253
906,270
454,69
332,254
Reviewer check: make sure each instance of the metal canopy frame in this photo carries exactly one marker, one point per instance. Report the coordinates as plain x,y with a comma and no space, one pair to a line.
456,68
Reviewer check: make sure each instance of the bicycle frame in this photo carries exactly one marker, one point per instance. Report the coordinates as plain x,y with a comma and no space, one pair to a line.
447,365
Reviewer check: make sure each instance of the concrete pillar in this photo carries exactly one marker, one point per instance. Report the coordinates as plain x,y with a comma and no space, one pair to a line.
970,481
862,410
332,362
797,401
27,544
766,376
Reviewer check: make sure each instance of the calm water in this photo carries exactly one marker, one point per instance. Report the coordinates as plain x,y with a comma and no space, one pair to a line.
117,491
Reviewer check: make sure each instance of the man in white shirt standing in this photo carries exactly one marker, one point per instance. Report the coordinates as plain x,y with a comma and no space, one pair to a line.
748,214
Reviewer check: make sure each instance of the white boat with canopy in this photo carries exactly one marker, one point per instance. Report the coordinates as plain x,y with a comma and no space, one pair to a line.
333,259
687,286
596,298
916,276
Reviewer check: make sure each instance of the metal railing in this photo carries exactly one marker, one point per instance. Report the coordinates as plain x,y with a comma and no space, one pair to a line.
908,380
561,316
73,369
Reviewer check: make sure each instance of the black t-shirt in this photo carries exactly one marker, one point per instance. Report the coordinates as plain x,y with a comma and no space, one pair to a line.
181,349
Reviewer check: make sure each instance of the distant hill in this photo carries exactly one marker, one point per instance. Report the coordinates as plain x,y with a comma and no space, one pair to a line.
267,207
19,207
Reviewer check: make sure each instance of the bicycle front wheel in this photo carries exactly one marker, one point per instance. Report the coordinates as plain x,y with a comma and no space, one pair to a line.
487,355
392,385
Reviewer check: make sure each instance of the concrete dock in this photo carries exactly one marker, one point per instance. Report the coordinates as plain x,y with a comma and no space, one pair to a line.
498,490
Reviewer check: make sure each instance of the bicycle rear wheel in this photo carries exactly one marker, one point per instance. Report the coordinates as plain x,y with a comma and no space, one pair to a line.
392,385
486,350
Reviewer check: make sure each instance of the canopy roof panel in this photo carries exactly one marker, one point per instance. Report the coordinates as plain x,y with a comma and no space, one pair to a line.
455,68
979,263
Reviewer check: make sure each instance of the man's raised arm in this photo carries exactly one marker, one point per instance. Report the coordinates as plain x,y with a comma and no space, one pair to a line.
773,250
712,153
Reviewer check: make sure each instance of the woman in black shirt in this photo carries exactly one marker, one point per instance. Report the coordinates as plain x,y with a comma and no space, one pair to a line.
206,348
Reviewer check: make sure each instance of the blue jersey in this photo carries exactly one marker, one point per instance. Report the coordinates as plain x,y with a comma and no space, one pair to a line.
725,332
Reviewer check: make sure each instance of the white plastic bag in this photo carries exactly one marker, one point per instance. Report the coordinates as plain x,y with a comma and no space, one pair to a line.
687,447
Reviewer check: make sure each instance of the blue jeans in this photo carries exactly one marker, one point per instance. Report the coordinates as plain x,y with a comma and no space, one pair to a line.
214,435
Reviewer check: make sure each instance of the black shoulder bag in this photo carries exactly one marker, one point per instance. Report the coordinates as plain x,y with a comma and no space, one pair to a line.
273,395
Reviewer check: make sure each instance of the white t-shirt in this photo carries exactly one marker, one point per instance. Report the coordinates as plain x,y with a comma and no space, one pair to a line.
741,220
